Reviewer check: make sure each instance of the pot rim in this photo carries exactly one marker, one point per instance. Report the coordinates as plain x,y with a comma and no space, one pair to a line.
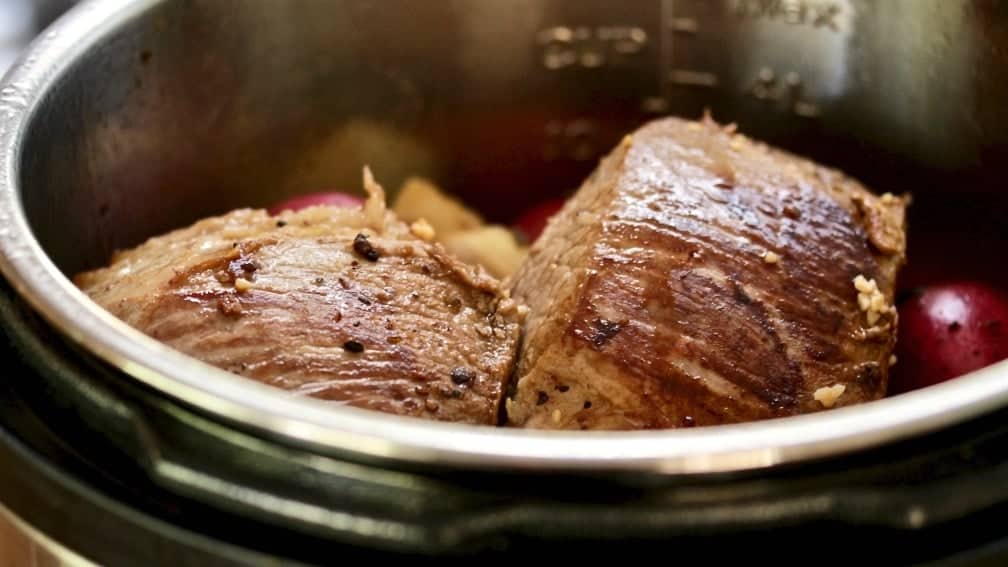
366,434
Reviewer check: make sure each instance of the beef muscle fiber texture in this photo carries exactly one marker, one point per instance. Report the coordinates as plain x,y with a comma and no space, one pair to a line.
700,277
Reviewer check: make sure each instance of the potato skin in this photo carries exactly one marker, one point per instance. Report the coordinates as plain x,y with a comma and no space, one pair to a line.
949,329
326,198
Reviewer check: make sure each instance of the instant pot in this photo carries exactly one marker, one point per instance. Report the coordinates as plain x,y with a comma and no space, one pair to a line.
125,119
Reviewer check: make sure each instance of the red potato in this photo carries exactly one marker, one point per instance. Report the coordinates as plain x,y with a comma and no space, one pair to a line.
947,330
331,198
531,223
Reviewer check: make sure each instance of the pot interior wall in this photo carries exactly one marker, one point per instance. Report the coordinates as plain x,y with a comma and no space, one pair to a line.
193,108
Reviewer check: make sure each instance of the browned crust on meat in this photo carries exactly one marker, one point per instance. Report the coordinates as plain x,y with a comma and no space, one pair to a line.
700,277
289,301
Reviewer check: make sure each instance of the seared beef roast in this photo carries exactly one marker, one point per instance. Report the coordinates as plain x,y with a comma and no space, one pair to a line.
699,277
340,304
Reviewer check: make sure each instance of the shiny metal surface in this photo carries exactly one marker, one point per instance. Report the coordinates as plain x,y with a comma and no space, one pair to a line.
20,21
128,118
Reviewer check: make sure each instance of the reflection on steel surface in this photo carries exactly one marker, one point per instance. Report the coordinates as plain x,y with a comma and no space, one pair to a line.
23,546
20,20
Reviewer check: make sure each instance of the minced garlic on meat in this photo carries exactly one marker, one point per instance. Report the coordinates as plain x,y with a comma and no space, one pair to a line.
892,359
507,306
556,416
374,206
828,396
870,299
423,230
771,257
242,285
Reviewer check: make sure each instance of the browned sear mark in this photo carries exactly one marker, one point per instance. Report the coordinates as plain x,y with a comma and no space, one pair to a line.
603,330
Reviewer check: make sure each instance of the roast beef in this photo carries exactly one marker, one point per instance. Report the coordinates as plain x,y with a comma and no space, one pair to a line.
341,304
700,277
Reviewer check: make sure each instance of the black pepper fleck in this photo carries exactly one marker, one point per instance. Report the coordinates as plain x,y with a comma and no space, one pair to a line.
541,398
587,405
343,283
563,387
249,265
242,267
353,346
454,303
462,375
869,374
362,246
741,296
281,223
954,326
318,281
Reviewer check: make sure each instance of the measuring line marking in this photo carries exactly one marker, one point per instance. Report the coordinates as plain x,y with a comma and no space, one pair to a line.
692,78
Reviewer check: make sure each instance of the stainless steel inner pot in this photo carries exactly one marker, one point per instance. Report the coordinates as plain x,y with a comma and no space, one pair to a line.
129,118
